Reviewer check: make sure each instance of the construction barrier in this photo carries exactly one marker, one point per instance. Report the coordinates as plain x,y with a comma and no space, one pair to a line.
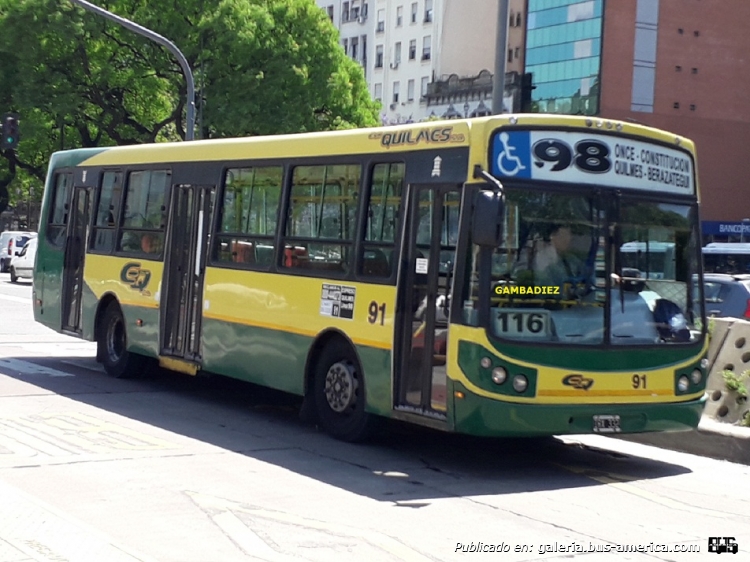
729,351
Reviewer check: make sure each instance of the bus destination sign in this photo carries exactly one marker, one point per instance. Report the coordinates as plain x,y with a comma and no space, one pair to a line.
590,158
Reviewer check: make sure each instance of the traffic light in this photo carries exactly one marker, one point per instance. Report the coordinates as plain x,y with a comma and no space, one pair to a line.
527,86
11,132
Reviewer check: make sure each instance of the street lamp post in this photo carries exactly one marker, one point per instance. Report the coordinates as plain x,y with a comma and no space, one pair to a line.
132,26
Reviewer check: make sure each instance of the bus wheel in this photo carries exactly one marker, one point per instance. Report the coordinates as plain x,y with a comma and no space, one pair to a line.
13,276
112,346
340,394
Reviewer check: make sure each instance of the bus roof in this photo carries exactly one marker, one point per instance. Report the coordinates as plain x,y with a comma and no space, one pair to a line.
396,138
727,248
643,246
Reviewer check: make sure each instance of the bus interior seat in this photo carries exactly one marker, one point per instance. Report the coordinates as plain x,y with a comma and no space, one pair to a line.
376,263
264,254
295,256
243,252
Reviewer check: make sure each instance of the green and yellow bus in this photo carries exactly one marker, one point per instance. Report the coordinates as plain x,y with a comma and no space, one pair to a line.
395,272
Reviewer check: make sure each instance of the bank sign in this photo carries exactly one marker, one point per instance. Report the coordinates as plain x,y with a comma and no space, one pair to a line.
590,158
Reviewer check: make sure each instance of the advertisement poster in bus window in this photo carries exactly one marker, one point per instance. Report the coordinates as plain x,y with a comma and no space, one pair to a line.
591,158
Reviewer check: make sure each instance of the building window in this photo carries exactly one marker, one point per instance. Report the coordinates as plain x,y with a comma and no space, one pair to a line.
680,30
345,44
678,68
397,53
518,19
410,90
381,21
399,16
692,107
676,105
378,93
414,11
426,47
694,70
379,56
396,91
329,10
423,86
355,48
510,55
412,49
345,12
427,11
517,53
354,14
511,20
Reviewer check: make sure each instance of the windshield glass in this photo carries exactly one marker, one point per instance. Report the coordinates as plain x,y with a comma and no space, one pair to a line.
567,259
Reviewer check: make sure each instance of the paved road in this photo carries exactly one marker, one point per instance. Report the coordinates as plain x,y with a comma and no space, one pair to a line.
171,468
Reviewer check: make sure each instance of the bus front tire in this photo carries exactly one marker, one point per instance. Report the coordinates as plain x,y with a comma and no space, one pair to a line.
112,350
339,391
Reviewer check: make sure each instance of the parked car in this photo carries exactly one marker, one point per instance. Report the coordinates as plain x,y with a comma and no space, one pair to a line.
22,265
11,242
727,295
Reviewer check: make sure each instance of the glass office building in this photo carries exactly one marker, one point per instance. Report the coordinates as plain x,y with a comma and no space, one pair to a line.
563,54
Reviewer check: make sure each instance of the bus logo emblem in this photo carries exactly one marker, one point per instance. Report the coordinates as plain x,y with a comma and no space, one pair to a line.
133,275
578,381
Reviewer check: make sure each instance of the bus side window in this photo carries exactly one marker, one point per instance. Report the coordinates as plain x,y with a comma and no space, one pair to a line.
383,215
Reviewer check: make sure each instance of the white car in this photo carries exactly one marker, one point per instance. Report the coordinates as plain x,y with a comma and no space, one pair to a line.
11,242
22,265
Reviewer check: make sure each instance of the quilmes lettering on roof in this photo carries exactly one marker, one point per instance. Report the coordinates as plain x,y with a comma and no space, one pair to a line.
437,135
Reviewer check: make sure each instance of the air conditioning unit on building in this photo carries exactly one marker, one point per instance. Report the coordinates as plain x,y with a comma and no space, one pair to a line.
362,19
394,65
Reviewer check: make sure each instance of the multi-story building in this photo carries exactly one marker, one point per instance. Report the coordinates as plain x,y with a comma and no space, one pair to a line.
429,58
679,65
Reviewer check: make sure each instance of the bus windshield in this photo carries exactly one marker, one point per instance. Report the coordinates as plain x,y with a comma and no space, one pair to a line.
567,258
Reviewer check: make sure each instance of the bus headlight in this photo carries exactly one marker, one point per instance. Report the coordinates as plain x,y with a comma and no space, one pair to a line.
704,363
485,362
696,376
683,383
499,374
520,383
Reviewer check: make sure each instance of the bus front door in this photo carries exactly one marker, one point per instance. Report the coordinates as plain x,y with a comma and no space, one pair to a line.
182,288
74,259
425,284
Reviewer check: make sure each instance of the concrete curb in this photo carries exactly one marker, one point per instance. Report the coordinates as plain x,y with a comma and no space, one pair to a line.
711,439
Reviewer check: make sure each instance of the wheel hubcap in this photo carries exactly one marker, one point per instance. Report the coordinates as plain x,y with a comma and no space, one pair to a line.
341,386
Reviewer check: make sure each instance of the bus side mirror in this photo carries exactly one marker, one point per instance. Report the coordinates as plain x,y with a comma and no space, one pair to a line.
487,220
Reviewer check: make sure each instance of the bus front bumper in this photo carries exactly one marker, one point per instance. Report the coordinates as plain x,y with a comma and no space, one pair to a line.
477,415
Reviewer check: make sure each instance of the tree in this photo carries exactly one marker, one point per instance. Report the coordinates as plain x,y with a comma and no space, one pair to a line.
80,80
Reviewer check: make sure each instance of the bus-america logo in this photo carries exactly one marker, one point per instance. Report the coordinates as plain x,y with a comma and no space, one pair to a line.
133,275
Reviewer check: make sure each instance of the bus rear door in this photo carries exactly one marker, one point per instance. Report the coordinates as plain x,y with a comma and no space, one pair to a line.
74,258
425,284
185,261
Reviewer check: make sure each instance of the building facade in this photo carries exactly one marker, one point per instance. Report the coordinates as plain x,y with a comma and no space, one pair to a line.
683,66
428,59
679,65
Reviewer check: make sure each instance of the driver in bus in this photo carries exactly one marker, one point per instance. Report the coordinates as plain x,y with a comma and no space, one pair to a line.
552,261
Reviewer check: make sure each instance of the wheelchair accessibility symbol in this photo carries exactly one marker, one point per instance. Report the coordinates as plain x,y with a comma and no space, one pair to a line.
507,161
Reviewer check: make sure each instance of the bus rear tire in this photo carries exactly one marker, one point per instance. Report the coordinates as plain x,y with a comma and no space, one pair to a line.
339,392
112,343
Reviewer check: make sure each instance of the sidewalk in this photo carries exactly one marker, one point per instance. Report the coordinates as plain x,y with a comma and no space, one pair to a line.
712,439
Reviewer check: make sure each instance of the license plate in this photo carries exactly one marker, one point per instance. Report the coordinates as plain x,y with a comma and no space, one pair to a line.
607,424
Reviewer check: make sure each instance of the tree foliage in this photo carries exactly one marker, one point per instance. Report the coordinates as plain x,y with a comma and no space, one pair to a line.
77,79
